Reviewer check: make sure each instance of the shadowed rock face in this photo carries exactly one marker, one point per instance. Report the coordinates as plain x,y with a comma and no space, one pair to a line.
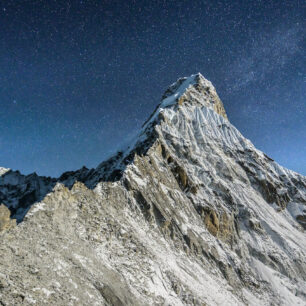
190,214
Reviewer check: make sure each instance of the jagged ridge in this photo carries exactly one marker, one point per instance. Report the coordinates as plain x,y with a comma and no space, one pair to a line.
18,192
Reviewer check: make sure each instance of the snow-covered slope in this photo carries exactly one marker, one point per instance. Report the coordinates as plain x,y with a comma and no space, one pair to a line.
191,213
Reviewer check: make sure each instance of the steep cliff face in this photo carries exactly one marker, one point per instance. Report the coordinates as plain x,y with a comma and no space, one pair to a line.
191,213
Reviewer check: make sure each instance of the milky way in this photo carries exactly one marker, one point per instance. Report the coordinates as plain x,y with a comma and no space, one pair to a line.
77,78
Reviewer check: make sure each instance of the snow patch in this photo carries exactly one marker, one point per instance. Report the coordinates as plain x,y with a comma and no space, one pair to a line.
3,170
36,207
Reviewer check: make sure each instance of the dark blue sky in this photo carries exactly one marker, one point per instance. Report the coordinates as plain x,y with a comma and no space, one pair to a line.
77,78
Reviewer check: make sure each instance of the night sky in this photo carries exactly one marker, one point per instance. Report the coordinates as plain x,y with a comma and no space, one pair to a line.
78,78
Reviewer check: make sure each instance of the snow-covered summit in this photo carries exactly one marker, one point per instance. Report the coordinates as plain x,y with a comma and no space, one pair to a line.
181,85
194,90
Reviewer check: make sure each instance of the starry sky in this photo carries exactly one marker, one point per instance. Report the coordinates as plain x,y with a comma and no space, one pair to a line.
78,78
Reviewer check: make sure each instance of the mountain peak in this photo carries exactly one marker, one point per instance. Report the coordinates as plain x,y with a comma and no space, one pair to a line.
194,90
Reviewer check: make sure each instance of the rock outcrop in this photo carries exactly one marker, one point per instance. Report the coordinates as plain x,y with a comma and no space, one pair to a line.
5,221
191,213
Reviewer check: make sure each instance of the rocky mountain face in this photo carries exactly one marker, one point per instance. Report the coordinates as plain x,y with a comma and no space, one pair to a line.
191,213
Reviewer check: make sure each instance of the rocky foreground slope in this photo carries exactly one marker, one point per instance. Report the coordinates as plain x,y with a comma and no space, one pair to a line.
191,213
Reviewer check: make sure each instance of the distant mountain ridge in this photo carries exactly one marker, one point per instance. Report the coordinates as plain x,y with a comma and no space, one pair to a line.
190,213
